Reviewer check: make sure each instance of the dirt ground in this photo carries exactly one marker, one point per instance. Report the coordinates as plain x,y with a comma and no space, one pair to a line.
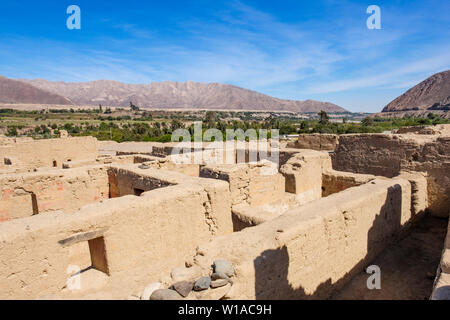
408,267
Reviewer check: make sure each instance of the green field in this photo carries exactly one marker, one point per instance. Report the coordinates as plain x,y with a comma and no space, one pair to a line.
136,125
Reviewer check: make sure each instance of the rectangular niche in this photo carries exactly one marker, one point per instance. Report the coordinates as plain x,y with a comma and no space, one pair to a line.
87,251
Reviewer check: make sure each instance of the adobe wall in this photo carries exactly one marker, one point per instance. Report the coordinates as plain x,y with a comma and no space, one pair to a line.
259,195
316,180
4,140
336,181
315,141
190,169
132,176
388,155
303,174
23,195
29,155
100,160
442,129
143,238
124,182
242,152
419,191
252,183
314,249
126,148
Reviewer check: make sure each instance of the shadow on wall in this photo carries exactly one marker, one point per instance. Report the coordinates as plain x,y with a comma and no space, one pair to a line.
272,266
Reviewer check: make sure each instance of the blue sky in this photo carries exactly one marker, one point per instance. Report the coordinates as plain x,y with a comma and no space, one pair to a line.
291,49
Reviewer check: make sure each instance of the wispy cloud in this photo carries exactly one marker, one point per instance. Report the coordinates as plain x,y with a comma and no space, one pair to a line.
404,74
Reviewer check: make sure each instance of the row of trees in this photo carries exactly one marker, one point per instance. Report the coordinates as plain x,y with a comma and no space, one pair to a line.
125,128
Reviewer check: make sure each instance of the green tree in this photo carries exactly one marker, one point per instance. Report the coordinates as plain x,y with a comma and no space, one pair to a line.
324,119
210,119
12,131
176,124
367,122
133,107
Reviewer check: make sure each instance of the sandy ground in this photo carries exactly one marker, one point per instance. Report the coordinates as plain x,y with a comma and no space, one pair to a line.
408,267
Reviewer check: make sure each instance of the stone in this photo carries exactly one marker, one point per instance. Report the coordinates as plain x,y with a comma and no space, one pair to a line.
183,287
214,294
149,289
202,284
221,276
223,266
219,283
165,294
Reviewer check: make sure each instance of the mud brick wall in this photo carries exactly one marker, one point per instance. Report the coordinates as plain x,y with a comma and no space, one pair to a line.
388,155
23,195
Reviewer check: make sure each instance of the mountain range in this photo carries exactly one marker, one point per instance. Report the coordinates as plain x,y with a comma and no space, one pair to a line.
156,95
431,94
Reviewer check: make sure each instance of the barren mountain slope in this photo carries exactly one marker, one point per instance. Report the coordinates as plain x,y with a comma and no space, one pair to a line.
175,95
13,91
431,94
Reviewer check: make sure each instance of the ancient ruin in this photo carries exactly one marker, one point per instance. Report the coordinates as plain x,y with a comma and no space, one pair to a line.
83,219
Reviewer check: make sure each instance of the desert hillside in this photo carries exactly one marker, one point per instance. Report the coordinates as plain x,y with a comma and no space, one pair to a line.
13,91
431,94
176,95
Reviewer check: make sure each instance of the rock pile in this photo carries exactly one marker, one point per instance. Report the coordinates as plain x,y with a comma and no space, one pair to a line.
190,284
